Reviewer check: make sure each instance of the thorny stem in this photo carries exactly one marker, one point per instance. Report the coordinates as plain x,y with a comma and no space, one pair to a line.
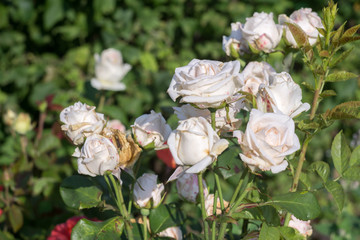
203,211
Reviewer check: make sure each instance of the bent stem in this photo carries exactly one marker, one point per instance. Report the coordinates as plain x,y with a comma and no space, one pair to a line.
202,201
120,203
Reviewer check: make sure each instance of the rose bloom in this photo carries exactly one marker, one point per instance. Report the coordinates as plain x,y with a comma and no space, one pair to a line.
195,144
151,128
283,95
256,74
81,120
209,205
188,187
225,122
147,193
97,156
268,138
303,227
206,83
307,20
63,231
235,40
172,232
22,123
261,32
110,70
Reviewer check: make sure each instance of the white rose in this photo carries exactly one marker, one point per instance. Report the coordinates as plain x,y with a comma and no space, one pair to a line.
261,32
151,128
283,95
206,83
255,74
188,187
307,20
268,138
147,189
225,122
81,120
235,40
172,232
303,227
110,70
97,156
195,144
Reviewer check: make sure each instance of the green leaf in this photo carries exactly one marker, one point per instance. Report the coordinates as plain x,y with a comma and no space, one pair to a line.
303,206
345,40
80,192
328,93
271,215
54,12
163,217
351,31
355,157
267,233
289,233
340,152
322,169
228,162
341,58
352,173
347,110
148,61
340,76
89,230
337,192
298,34
308,86
338,33
15,217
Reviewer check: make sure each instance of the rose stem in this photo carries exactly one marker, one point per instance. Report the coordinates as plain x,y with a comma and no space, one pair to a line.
203,211
121,205
133,185
213,229
145,227
101,101
233,198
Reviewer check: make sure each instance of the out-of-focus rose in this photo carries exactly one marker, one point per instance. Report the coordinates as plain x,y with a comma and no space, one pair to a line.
195,144
235,40
9,117
97,156
206,83
147,189
110,70
22,123
283,95
166,156
188,187
255,74
129,152
172,232
303,227
209,205
81,120
63,231
307,20
151,128
261,32
268,138
225,121
116,124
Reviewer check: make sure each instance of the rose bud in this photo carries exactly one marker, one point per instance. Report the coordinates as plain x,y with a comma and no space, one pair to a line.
147,193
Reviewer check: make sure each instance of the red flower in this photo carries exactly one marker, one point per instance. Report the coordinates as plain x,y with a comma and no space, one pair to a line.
166,157
62,231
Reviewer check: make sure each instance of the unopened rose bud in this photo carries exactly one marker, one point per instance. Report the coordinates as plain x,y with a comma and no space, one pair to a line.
9,117
22,123
188,187
147,193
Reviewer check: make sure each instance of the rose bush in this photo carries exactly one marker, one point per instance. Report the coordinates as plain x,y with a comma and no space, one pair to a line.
195,144
206,83
268,138
80,121
110,70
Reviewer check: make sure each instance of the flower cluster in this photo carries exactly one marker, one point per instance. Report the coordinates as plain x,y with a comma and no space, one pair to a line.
261,33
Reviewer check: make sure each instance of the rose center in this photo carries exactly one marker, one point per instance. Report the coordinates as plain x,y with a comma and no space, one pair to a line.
273,137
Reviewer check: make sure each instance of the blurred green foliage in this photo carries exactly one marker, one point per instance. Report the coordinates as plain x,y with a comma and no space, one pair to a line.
47,48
